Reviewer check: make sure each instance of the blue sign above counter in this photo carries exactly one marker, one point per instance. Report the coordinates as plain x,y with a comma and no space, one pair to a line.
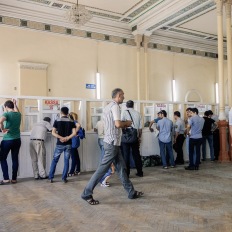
90,86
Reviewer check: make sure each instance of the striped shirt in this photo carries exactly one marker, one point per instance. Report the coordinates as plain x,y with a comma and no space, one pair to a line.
137,119
113,134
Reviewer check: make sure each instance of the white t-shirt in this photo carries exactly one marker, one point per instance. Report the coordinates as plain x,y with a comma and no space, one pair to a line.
100,129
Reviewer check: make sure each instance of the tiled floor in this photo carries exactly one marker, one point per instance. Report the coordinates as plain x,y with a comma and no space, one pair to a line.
174,200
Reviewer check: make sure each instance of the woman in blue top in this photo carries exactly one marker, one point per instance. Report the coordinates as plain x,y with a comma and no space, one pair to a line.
74,150
10,126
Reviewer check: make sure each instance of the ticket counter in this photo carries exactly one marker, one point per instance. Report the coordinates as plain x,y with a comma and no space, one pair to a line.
34,109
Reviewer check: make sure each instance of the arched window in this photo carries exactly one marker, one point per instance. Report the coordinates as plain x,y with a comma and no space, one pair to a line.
193,96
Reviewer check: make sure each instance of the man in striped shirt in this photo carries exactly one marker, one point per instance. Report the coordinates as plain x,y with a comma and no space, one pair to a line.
112,142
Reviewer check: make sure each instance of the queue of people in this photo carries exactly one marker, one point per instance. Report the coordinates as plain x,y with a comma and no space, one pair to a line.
115,154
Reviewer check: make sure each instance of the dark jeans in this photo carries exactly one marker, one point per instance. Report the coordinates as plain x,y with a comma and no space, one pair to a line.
7,146
134,147
194,144
179,148
168,148
76,163
216,143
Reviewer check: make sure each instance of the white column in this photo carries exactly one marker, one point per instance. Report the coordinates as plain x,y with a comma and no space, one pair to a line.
229,50
146,41
220,59
138,40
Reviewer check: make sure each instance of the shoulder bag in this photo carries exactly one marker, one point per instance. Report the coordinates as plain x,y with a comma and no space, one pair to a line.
129,135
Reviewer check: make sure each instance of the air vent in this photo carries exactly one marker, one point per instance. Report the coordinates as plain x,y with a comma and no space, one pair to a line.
23,23
124,41
57,5
154,45
89,34
169,48
182,50
107,37
47,27
194,52
68,31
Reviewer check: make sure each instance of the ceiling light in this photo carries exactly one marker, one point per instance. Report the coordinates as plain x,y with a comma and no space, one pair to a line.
78,15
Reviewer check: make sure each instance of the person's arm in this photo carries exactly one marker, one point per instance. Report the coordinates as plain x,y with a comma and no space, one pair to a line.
16,109
2,119
188,129
150,125
117,118
120,124
55,134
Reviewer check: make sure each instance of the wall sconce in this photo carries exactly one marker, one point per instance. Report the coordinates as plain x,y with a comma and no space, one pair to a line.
216,93
98,83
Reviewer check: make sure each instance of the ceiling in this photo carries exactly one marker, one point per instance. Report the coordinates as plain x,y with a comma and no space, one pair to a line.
189,22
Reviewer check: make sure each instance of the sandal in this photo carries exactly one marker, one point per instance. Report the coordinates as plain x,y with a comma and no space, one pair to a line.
91,201
137,194
4,183
13,181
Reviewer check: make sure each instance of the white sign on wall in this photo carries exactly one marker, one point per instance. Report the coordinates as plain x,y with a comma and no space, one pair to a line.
161,106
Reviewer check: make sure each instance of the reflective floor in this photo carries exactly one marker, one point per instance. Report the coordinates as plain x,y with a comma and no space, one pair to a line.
174,200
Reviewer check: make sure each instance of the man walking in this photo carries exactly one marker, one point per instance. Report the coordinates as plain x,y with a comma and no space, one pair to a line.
165,139
132,115
37,147
63,129
179,137
112,142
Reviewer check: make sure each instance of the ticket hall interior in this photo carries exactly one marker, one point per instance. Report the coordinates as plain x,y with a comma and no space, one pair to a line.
165,55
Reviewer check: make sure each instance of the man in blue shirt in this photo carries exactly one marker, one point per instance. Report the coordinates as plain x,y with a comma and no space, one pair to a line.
165,126
196,124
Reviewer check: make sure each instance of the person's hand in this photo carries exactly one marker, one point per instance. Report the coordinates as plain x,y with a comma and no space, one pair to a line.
151,130
14,101
4,131
128,123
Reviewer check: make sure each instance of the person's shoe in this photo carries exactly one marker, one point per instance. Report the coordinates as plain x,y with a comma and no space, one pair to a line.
165,167
50,180
196,167
37,178
189,168
43,178
173,166
107,184
65,181
203,159
139,175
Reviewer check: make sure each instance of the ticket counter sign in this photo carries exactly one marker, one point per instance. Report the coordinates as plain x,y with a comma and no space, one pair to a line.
51,105
161,106
201,108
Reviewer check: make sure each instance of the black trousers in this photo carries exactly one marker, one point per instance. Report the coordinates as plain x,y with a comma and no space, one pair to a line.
216,143
179,148
134,147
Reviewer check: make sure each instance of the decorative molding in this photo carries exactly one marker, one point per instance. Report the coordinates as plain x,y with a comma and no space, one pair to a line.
219,4
34,66
206,8
177,14
228,9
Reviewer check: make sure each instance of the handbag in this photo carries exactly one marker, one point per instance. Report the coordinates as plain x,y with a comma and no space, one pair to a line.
129,135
